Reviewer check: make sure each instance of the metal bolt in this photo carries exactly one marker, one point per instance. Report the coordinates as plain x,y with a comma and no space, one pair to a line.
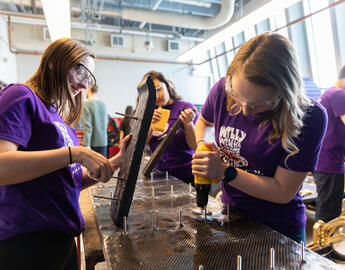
153,192
171,191
239,262
205,214
190,187
153,221
181,225
127,115
111,196
151,176
117,177
272,258
125,224
301,261
166,175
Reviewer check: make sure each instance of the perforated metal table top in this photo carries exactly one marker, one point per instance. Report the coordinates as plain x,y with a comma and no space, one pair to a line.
214,244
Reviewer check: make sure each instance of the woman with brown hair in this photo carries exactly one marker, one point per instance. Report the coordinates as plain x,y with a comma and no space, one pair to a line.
268,134
41,171
177,157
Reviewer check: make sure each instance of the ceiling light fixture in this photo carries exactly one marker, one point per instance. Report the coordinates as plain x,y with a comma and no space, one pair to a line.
58,17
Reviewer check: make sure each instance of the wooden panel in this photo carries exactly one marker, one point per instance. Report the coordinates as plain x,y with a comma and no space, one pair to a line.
161,148
131,163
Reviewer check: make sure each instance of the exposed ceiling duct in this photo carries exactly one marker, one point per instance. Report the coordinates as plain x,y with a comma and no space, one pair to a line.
159,17
173,19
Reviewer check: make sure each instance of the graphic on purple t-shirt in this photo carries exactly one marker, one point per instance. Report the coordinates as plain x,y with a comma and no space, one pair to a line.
248,148
177,157
332,153
49,202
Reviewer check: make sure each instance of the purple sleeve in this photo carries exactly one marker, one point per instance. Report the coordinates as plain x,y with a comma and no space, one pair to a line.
308,142
16,114
336,103
208,109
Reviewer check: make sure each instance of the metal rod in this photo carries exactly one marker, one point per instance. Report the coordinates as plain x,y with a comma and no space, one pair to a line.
205,213
302,253
103,197
117,177
272,258
239,262
151,176
127,115
153,192
125,224
190,187
180,218
171,191
153,221
166,175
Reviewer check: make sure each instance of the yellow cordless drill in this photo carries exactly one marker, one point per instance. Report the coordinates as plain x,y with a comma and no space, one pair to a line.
203,184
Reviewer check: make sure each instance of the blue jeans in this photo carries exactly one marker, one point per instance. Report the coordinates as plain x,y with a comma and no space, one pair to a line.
298,237
103,150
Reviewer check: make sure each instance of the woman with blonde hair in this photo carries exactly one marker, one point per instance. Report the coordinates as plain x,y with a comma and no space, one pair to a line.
41,171
268,135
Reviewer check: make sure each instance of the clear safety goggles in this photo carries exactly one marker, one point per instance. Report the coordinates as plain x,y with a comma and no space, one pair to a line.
269,104
83,75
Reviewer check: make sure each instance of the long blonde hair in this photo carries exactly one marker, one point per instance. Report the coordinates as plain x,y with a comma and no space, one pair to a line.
49,82
270,60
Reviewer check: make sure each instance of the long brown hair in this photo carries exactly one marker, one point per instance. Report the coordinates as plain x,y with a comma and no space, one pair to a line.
269,59
49,82
169,84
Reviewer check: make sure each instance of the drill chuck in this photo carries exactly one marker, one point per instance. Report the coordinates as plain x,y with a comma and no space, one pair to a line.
202,191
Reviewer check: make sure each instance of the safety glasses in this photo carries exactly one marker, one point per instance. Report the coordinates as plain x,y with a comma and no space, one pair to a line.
83,75
269,104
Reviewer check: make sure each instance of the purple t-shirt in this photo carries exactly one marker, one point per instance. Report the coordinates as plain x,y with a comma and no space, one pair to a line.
177,158
49,202
240,136
333,148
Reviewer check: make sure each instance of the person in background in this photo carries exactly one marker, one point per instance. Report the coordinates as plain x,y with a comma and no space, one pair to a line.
329,173
125,126
268,135
113,136
41,171
178,156
94,119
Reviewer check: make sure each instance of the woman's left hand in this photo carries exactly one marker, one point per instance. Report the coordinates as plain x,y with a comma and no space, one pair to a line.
117,160
187,116
208,163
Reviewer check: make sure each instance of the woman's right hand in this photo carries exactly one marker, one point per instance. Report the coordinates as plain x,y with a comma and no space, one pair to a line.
156,116
97,165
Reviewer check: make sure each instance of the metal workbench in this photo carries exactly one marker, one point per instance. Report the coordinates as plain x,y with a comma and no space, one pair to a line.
156,240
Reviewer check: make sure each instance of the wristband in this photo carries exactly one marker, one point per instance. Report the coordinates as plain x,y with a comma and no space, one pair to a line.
70,155
200,142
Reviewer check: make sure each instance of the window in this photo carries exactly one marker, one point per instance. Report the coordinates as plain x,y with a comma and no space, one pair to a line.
238,40
298,36
262,26
222,61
